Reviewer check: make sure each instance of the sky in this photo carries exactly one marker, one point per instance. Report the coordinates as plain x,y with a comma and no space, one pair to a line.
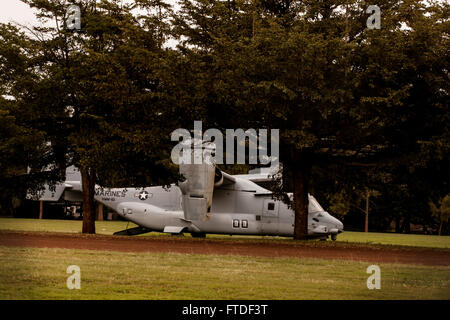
15,11
19,12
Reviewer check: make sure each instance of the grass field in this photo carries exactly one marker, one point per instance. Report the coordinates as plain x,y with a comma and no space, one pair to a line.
30,273
109,227
40,273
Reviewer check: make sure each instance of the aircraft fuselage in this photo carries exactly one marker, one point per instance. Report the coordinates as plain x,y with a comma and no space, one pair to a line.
243,208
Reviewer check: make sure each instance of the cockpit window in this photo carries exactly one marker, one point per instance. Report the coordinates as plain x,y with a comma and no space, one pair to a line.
314,206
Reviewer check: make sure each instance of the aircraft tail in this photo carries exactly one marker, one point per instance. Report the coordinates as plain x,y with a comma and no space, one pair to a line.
71,188
73,174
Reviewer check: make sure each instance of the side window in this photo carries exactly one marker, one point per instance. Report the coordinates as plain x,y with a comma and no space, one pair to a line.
271,206
240,223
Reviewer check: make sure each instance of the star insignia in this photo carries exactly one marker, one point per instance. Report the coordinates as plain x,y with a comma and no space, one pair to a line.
143,195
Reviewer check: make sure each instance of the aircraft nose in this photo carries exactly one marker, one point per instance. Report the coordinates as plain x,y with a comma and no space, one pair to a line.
338,224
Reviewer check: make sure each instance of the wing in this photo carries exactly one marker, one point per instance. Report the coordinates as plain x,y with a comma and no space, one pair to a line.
256,178
222,179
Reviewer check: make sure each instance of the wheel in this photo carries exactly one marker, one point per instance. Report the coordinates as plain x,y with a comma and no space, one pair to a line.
334,237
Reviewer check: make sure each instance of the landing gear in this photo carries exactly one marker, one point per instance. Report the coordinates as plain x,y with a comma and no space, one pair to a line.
334,237
198,235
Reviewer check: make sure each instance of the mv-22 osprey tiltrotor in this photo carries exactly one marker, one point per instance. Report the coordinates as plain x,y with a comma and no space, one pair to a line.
207,201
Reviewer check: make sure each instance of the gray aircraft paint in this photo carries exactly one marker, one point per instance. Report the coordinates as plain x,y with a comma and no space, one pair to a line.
240,207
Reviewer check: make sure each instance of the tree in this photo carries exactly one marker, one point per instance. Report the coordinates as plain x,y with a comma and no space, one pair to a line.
106,95
26,160
339,92
441,211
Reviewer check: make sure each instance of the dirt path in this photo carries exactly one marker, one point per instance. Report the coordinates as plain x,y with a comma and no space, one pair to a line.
380,254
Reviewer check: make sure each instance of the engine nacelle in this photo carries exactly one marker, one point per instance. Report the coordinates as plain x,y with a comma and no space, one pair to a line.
218,178
197,189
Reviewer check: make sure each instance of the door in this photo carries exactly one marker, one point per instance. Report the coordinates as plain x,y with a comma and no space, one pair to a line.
270,219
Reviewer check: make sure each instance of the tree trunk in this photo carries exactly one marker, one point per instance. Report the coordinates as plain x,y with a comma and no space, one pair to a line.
99,211
300,177
88,184
41,209
406,228
397,225
366,224
440,228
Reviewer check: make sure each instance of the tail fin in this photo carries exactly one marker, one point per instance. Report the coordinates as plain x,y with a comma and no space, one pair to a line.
73,174
71,185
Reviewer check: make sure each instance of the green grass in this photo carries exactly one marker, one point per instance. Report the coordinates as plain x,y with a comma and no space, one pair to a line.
66,226
109,227
416,240
31,273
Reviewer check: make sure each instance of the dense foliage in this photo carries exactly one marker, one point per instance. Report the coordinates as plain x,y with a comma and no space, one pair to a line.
363,113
